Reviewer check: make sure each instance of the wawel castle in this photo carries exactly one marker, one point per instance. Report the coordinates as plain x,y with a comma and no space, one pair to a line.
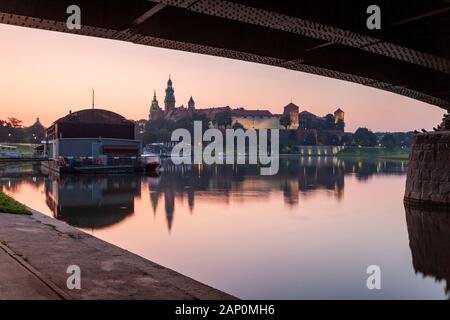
249,119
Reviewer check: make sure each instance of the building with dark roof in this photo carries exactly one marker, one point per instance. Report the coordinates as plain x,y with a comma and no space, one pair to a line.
95,134
91,123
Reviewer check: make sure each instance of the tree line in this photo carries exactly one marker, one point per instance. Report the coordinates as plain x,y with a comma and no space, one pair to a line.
13,131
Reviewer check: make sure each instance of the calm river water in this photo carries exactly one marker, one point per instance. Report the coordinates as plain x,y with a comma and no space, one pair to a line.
310,231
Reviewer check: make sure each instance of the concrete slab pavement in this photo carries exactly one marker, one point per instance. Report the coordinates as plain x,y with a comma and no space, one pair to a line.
50,246
18,283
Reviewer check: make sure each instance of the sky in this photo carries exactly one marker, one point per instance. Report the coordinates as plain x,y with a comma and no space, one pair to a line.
45,74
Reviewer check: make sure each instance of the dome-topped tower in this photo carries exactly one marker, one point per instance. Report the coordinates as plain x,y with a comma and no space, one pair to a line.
169,100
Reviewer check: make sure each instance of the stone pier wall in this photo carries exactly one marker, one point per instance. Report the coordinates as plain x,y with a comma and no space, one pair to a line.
429,241
428,181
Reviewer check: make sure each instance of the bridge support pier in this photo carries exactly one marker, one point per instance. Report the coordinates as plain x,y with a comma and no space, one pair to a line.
428,180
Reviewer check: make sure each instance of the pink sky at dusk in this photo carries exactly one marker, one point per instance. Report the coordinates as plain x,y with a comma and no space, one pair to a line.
46,74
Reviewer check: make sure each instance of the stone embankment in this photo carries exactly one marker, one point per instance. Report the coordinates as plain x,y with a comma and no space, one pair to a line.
428,181
36,252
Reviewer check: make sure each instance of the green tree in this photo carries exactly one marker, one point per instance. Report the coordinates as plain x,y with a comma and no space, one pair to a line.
327,138
223,119
237,125
285,120
14,122
197,116
158,130
364,137
347,139
310,139
388,141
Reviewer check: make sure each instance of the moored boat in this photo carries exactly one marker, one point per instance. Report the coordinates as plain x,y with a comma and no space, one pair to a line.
152,162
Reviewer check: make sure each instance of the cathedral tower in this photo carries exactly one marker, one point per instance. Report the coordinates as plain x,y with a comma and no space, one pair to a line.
169,100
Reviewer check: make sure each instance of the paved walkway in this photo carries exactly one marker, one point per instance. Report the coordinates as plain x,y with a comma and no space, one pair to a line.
43,248
18,283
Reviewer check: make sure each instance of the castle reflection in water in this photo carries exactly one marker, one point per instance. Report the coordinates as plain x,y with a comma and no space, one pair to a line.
95,202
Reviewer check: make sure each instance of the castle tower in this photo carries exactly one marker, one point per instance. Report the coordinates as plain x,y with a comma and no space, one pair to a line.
339,117
191,104
169,100
292,110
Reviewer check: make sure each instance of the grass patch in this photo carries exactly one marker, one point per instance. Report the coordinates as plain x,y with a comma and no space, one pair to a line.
375,152
9,205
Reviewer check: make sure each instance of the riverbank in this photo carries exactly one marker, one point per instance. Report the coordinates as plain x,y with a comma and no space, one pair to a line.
375,152
43,248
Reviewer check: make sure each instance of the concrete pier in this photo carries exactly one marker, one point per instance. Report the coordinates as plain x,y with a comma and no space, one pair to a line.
36,251
428,180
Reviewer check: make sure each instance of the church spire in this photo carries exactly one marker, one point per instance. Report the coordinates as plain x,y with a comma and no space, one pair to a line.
155,104
155,110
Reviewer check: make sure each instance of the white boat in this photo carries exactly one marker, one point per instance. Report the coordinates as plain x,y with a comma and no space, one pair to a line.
151,162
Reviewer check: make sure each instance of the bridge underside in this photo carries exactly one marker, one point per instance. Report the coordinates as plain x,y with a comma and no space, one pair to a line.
408,56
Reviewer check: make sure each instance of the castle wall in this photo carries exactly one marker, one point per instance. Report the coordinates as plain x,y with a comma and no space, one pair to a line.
258,122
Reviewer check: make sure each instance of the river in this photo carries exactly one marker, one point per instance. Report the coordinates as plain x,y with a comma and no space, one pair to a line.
309,232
